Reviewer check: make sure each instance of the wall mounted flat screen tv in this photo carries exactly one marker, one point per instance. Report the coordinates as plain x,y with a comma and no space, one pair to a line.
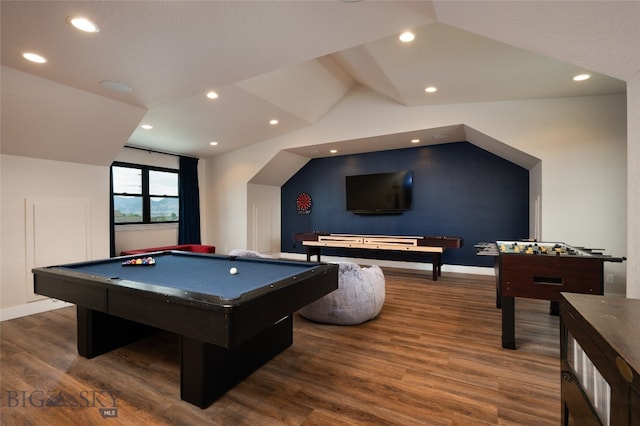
380,193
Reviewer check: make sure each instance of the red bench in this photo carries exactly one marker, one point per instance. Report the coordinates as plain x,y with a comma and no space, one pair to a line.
197,248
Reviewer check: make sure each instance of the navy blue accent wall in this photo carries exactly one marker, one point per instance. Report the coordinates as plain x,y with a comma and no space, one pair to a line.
458,190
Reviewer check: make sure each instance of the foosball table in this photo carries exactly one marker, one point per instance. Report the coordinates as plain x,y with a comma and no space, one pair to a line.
542,270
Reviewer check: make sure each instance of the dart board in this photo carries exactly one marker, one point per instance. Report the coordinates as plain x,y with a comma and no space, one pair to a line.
303,203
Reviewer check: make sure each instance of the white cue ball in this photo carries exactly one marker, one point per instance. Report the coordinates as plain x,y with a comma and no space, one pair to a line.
233,271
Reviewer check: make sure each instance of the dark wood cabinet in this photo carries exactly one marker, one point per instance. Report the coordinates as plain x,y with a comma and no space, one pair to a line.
600,360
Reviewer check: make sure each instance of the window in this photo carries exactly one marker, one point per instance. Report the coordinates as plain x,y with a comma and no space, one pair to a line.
144,194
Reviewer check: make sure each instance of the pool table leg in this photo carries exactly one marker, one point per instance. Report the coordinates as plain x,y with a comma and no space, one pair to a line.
99,333
208,371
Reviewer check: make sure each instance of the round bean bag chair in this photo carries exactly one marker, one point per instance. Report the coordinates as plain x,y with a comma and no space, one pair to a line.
359,297
247,253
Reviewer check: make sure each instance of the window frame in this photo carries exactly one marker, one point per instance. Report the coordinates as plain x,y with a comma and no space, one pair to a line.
146,196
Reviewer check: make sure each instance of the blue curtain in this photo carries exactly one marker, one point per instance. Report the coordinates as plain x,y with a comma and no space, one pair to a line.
189,225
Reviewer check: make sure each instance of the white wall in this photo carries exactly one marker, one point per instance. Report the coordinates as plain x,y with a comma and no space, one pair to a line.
24,180
226,199
133,237
263,218
149,158
535,201
633,192
581,142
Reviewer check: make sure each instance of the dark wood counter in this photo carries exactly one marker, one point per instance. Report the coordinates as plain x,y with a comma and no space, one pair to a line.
600,359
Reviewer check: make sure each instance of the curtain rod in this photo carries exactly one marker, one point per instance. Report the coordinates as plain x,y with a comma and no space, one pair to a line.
149,150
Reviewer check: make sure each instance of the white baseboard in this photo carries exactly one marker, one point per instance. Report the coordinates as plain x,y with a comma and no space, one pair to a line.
419,266
31,308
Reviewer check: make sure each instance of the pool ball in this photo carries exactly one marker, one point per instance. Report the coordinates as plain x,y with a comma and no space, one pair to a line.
233,271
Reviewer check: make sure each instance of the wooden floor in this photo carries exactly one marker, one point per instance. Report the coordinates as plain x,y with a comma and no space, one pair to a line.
432,357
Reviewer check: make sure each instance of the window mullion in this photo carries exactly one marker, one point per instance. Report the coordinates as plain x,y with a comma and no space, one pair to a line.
146,198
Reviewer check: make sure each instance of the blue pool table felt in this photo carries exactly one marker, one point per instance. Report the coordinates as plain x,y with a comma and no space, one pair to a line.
200,274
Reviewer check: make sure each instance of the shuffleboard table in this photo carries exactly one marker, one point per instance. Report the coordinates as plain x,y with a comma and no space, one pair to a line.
229,324
433,246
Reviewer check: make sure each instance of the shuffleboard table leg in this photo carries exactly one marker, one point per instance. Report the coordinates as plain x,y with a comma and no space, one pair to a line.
435,265
208,371
311,251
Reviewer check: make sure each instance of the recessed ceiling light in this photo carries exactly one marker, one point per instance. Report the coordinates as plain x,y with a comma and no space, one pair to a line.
431,89
116,86
273,122
213,143
83,24
34,57
333,151
581,77
415,140
406,37
212,95
147,126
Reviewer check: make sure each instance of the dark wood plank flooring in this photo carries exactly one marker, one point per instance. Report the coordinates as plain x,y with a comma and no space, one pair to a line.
432,357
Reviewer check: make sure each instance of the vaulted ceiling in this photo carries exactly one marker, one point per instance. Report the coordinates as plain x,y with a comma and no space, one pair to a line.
287,60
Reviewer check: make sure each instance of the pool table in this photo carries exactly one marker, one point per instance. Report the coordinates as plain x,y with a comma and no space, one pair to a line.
229,324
